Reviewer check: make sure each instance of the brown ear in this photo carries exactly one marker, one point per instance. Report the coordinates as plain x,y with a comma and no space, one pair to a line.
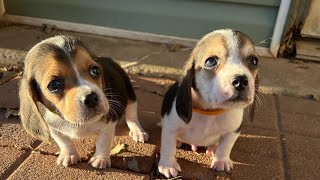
184,99
256,90
30,109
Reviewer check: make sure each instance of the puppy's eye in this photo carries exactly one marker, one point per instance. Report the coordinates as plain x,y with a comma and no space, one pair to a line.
253,61
211,62
56,85
94,71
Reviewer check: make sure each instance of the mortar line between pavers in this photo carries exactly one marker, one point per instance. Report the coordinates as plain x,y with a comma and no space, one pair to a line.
284,162
15,165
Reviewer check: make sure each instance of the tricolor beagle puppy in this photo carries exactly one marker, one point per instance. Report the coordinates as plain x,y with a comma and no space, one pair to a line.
68,93
205,108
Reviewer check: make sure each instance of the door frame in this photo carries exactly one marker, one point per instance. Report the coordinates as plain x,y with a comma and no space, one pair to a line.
2,10
279,27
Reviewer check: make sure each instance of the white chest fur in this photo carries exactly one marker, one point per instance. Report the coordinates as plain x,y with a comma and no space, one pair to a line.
204,130
74,130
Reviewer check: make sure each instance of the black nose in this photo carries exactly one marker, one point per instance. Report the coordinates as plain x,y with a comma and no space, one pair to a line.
240,82
91,100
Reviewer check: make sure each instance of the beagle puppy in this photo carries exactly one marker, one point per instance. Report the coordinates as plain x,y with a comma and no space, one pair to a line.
67,93
205,108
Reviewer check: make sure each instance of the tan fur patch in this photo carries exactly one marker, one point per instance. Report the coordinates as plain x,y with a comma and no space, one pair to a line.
212,46
53,70
219,68
247,50
83,61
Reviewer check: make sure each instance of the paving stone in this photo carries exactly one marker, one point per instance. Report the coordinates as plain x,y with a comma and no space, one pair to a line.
256,141
299,105
39,166
138,157
255,151
252,166
10,159
13,134
303,156
265,116
6,76
149,106
193,165
9,94
150,84
85,147
300,124
150,93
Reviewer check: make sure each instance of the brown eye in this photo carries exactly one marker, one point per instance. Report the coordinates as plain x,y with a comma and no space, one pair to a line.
211,62
94,71
253,61
56,85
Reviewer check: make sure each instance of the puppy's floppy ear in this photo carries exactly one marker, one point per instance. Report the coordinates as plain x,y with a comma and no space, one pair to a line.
256,90
31,108
184,98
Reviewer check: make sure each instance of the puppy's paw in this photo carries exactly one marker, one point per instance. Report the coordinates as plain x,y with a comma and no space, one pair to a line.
211,150
100,162
222,165
67,158
194,148
169,169
139,135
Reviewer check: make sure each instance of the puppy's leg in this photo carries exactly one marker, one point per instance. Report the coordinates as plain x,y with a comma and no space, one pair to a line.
168,164
101,158
179,144
68,152
136,131
221,160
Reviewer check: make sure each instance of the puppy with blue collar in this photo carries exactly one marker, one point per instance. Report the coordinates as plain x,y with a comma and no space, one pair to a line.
67,93
205,108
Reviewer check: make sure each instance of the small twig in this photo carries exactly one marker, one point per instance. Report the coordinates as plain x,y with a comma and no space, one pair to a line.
140,60
263,41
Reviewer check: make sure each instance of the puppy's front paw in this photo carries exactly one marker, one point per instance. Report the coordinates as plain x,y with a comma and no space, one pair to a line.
67,158
222,165
100,162
139,135
169,169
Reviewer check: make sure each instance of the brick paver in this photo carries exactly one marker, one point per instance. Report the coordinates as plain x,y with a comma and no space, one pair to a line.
303,157
9,94
10,159
12,133
39,166
265,116
299,121
256,151
298,105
